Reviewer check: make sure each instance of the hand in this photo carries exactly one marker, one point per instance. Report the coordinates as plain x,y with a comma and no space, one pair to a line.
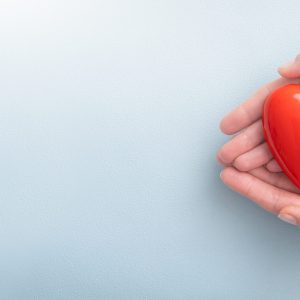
249,166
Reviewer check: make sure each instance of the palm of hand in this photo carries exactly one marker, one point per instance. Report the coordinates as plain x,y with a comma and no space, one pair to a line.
249,166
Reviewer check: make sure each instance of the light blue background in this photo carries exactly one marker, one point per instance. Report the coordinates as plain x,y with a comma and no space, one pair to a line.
109,129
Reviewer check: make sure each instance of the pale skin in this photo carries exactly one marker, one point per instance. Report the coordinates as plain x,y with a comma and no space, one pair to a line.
249,167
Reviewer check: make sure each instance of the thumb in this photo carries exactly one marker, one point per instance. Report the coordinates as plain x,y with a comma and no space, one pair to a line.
291,69
290,214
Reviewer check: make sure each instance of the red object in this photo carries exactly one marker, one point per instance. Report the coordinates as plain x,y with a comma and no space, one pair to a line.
281,122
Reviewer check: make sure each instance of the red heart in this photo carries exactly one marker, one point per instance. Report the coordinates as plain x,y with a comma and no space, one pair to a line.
281,122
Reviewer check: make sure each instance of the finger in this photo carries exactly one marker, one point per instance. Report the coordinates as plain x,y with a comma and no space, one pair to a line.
250,110
291,69
279,180
273,166
263,194
242,142
254,158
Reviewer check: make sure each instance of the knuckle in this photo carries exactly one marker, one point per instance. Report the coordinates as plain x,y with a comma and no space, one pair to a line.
245,139
277,202
245,112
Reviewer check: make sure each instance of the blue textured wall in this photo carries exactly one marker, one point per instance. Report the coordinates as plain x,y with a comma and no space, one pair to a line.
109,129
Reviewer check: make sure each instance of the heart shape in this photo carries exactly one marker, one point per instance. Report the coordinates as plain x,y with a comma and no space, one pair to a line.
281,123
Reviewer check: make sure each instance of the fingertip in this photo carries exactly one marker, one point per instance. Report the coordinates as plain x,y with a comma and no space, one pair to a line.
222,126
287,218
226,127
227,173
281,71
284,72
290,71
284,69
290,214
219,159
224,155
222,162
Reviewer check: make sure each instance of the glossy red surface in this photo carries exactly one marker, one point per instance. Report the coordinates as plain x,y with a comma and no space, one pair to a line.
281,122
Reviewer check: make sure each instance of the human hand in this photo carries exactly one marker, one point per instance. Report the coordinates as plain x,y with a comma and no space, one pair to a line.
249,166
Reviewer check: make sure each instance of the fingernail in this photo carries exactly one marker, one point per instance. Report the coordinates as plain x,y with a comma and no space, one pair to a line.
287,218
221,174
